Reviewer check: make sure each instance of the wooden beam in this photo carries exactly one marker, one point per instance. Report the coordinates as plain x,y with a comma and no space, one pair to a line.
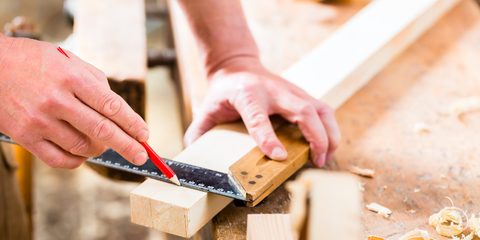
193,79
332,200
332,72
335,206
269,226
111,35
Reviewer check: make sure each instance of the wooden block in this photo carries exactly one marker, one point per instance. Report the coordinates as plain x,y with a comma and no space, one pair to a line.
335,206
332,72
111,35
269,226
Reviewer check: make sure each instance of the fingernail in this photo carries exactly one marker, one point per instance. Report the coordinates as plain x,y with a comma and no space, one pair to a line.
279,154
321,160
141,158
143,135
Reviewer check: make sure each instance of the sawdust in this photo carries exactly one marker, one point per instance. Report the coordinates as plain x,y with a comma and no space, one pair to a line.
379,209
421,128
464,106
364,172
416,234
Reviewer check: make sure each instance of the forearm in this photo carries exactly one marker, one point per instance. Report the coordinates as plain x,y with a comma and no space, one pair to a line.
221,31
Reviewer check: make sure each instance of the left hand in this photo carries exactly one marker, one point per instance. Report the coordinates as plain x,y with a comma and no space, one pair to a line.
243,88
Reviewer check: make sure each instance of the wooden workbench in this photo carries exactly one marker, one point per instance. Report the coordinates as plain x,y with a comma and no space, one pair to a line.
378,126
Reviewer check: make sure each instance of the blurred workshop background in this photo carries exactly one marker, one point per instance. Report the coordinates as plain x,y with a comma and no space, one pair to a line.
82,204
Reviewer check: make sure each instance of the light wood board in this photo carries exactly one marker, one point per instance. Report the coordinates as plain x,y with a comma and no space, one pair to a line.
269,226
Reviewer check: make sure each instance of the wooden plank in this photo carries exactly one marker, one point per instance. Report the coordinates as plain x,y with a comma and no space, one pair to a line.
335,206
231,142
193,79
111,35
332,200
269,226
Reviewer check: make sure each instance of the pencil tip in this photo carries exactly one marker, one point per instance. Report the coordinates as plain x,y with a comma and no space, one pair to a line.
174,179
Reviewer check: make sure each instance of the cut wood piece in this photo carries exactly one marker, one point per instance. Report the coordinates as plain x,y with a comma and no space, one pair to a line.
350,58
269,226
259,175
111,35
335,205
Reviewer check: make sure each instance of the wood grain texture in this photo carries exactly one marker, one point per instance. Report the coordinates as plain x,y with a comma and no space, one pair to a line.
269,226
221,147
378,132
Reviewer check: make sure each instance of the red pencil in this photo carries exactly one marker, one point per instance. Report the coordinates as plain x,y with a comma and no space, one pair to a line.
158,161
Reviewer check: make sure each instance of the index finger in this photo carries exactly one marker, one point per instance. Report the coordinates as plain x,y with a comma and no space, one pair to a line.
103,100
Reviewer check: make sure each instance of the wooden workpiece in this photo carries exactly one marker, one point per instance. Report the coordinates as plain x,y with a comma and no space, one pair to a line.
324,205
269,226
111,35
153,208
414,172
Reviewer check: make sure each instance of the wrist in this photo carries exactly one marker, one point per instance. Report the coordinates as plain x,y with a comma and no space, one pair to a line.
235,64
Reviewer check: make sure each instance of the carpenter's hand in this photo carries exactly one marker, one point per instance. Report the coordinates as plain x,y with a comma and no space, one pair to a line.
243,88
62,109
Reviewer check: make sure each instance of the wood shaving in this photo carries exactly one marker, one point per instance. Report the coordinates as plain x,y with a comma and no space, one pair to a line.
371,237
421,128
364,172
474,225
361,186
449,222
416,234
466,105
379,209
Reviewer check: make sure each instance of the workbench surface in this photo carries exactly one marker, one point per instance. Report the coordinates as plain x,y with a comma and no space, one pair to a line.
415,172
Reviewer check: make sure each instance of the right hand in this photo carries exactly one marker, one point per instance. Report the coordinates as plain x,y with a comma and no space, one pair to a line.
62,109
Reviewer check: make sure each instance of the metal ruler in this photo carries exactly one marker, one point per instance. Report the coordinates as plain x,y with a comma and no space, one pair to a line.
190,176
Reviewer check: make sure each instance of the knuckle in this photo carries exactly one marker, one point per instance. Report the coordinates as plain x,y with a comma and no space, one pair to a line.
111,104
80,146
72,80
135,124
257,120
127,149
327,110
306,110
248,86
102,130
51,102
35,121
